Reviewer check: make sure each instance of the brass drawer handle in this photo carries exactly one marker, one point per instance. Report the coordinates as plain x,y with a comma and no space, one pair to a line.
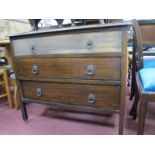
90,44
91,98
90,69
35,69
39,92
33,49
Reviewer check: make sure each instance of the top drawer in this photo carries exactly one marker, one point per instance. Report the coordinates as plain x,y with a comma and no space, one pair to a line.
69,43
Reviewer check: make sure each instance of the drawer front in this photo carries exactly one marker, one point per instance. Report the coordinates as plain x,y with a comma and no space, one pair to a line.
86,95
69,43
75,68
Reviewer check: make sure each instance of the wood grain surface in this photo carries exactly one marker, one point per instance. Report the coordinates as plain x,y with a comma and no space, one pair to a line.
76,68
106,96
69,43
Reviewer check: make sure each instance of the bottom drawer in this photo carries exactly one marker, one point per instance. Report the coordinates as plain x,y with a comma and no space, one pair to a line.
80,94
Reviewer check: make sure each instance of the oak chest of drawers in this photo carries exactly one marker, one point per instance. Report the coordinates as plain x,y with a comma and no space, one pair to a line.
79,68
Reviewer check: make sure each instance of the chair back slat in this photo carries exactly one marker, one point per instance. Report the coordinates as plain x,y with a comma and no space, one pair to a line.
148,34
137,44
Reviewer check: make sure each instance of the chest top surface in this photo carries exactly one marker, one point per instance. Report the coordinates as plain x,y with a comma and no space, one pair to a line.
119,26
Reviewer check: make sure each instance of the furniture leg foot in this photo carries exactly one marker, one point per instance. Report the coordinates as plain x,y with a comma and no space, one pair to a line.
131,96
141,117
134,116
24,111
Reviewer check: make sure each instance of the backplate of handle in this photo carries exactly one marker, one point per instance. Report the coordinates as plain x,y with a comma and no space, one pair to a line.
90,69
90,44
91,98
35,69
39,92
33,49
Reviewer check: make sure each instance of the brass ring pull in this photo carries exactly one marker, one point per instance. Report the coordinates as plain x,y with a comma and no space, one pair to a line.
35,69
91,98
90,70
39,92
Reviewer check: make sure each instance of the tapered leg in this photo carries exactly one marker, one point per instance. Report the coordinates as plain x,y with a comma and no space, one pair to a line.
128,80
121,124
133,111
24,111
129,75
132,89
141,117
133,81
121,119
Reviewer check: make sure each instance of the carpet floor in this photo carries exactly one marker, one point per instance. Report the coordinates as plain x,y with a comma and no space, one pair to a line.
44,120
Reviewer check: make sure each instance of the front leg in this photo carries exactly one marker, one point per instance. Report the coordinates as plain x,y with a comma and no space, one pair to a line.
141,118
24,111
133,111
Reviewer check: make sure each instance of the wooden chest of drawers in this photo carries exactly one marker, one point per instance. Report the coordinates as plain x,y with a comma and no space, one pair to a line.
80,68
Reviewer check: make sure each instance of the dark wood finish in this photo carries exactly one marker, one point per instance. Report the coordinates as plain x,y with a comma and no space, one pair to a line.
73,81
148,34
76,108
24,111
146,22
142,114
133,111
76,55
144,36
151,97
105,27
143,101
105,96
133,67
72,68
138,46
62,79
142,97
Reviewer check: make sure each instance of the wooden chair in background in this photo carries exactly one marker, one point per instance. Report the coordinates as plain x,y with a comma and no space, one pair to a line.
4,87
141,57
11,82
144,79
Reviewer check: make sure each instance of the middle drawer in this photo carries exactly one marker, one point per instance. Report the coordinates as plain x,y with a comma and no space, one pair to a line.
74,68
